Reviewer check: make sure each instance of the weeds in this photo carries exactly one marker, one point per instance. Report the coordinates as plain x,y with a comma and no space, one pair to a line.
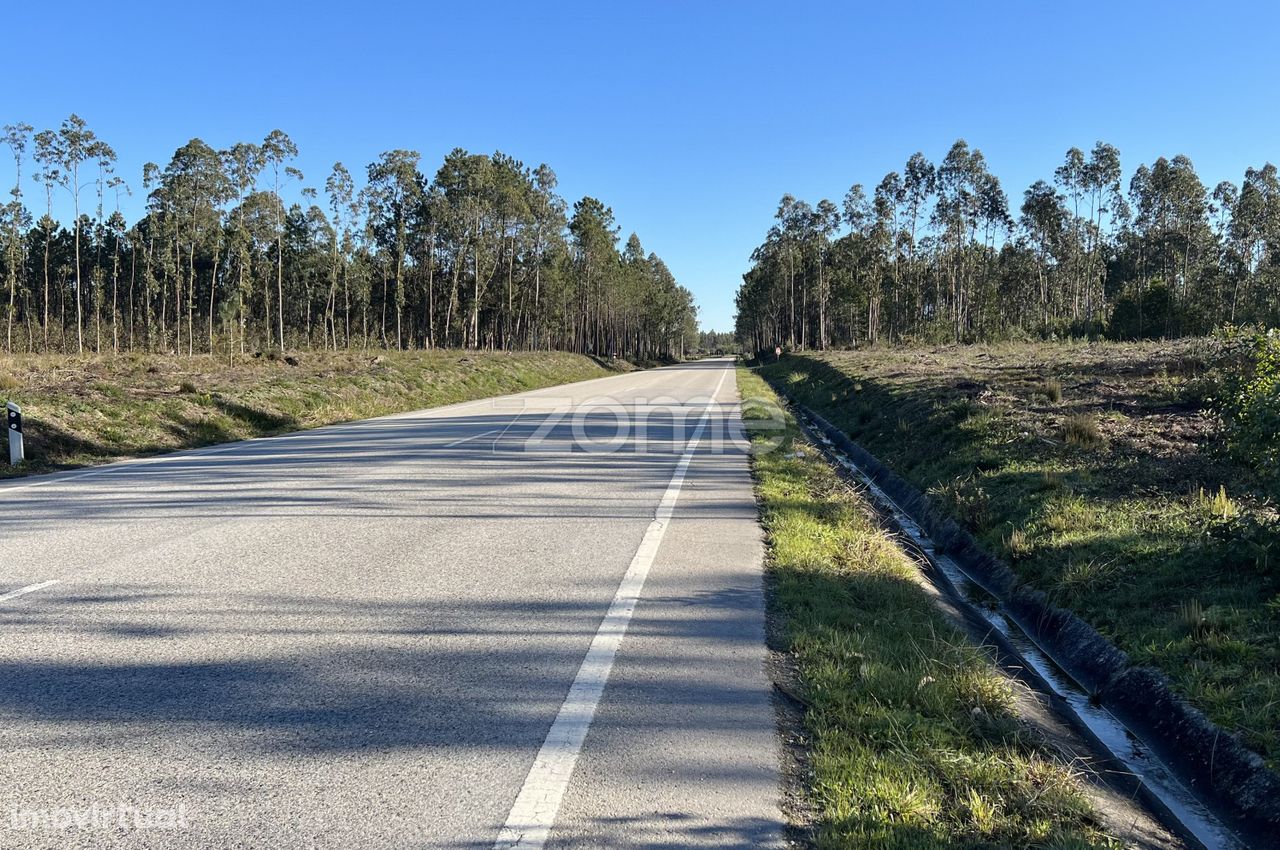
1052,390
1083,577
913,739
1017,544
967,499
1218,506
1071,516
1191,618
1115,534
1081,430
1051,480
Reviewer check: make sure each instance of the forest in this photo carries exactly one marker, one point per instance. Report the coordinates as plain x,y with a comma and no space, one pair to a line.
936,253
237,252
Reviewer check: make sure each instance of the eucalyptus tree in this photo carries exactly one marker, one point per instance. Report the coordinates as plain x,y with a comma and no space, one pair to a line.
64,153
224,242
115,229
958,211
792,219
1071,179
309,237
395,187
191,191
825,223
1044,220
278,149
1254,235
859,255
993,213
1170,221
48,177
877,222
971,272
243,162
154,226
340,189
16,221
1102,175
919,180
1222,204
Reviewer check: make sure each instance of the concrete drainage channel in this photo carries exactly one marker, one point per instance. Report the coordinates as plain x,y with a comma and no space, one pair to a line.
1165,790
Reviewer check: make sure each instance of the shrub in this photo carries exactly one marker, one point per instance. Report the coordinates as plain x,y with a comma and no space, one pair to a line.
1245,541
1248,402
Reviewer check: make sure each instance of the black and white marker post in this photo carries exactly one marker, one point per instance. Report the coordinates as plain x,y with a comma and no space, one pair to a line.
15,433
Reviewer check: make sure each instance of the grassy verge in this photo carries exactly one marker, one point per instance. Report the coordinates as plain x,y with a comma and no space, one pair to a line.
80,411
1093,471
914,743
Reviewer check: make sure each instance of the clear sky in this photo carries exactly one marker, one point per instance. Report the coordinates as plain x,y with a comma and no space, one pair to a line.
689,119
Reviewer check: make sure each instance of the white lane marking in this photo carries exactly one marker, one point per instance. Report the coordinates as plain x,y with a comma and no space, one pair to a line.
425,413
31,588
472,437
534,812
334,429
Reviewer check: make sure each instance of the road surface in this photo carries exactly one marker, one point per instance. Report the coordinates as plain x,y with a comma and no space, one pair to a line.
398,633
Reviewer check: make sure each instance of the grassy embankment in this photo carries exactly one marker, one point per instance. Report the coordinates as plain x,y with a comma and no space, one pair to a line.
1094,471
85,410
914,743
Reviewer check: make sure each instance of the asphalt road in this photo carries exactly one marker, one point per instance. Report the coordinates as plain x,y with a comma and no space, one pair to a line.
395,633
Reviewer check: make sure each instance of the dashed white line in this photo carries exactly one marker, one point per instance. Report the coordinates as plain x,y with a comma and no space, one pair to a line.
459,442
338,427
534,812
31,588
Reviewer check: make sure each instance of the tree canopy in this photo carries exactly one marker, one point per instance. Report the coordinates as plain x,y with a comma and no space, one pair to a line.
237,251
935,253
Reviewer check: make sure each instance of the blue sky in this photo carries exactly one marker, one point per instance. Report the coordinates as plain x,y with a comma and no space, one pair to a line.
689,119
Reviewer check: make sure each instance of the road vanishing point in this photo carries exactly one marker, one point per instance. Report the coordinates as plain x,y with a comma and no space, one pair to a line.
528,621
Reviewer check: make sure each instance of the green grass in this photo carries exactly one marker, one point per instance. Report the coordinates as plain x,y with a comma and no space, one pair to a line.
1107,494
82,411
914,743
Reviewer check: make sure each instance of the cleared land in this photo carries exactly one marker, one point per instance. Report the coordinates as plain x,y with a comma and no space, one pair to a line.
81,411
1095,471
914,740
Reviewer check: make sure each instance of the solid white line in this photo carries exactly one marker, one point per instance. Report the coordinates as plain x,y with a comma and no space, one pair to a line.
31,588
534,812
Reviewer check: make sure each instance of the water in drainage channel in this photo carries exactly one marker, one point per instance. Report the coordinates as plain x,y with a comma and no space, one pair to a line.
1195,817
